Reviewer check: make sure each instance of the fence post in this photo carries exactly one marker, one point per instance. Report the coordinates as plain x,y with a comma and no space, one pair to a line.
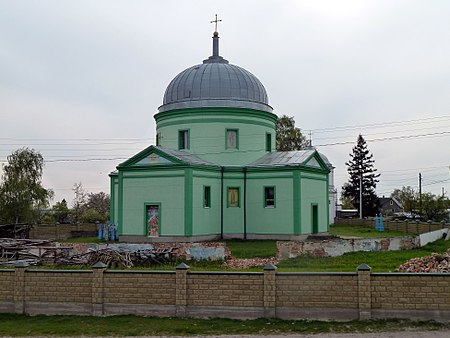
270,290
364,292
181,289
19,287
97,289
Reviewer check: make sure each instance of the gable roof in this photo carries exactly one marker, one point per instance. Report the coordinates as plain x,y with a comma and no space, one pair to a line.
385,200
186,157
309,157
153,156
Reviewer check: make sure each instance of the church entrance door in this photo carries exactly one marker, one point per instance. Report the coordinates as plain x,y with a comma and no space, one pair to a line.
315,219
153,216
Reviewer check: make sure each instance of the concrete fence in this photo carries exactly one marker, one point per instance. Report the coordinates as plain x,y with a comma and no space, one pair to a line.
242,295
62,231
338,246
409,227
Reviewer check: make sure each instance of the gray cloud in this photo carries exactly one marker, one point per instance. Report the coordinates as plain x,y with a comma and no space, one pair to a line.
98,69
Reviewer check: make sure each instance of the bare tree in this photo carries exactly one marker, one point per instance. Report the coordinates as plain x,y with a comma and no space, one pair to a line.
79,201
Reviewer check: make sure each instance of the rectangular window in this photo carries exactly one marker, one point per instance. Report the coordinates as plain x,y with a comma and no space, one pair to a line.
232,139
233,197
183,139
158,139
206,197
268,142
269,197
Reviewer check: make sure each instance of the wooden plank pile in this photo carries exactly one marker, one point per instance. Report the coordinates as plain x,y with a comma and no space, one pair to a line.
44,252
435,263
30,251
118,259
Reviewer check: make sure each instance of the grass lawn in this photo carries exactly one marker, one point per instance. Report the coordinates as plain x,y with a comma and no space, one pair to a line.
362,231
379,261
387,261
252,249
21,325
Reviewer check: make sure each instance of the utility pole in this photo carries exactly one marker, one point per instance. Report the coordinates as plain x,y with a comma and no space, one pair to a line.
420,193
360,195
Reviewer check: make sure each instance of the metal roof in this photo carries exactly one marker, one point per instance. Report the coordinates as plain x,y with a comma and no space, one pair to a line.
186,157
295,157
215,83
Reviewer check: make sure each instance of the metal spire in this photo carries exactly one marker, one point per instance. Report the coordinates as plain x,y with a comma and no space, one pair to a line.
215,57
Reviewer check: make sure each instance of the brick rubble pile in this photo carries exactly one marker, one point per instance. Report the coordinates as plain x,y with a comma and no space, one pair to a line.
434,263
245,263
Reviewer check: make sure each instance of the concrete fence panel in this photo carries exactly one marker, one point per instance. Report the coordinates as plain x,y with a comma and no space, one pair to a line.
271,294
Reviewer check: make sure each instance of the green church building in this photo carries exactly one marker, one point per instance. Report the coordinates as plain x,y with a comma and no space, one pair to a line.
214,171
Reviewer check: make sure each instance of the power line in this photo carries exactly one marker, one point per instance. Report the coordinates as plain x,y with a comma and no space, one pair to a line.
261,149
436,182
73,144
404,137
371,125
380,124
76,139
383,133
86,160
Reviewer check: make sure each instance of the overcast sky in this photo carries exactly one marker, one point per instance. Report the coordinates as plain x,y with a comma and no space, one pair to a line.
80,80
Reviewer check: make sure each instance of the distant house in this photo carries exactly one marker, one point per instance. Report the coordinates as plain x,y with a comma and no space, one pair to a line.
390,205
346,213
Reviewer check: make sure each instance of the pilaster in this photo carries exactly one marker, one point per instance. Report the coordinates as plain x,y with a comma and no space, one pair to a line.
270,291
181,289
364,292
97,289
19,287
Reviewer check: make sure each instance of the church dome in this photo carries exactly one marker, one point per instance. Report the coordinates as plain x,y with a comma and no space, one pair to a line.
215,83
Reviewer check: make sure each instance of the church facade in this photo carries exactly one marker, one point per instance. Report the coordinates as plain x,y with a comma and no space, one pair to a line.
214,171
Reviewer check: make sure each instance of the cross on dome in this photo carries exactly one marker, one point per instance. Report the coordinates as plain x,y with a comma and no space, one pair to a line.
216,21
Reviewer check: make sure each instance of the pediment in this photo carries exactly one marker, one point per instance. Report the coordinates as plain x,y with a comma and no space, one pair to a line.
153,159
315,161
151,156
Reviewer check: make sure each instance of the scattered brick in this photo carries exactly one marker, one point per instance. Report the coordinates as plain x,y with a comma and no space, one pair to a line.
245,263
434,263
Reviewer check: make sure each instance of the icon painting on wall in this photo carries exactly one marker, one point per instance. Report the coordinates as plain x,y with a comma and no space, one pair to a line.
152,220
233,197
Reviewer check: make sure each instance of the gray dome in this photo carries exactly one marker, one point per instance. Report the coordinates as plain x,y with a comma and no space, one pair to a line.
215,83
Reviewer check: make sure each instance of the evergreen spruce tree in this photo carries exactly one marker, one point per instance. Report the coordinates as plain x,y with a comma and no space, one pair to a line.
361,164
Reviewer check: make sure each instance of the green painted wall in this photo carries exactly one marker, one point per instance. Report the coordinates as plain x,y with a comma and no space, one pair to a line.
262,220
207,135
115,201
233,217
313,191
169,191
179,190
206,220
